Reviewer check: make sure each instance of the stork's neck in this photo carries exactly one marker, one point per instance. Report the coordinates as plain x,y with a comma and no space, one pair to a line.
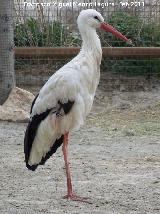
91,42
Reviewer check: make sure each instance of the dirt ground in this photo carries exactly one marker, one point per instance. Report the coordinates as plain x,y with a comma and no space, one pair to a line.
114,158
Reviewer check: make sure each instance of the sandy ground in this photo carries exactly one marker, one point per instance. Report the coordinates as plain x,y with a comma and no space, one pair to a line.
115,161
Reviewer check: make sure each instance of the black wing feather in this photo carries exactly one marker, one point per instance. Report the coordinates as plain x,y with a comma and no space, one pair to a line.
66,106
31,133
33,103
32,130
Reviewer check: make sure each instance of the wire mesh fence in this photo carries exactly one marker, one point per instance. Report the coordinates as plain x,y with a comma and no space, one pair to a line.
53,24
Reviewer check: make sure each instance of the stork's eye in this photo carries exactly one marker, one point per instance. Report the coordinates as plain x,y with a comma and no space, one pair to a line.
96,17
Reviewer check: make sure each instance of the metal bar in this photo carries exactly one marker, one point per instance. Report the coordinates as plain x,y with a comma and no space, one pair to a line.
65,52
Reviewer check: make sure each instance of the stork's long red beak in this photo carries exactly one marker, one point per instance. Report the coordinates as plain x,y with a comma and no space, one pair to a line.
115,32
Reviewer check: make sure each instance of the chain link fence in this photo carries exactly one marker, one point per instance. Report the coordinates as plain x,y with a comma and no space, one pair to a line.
53,24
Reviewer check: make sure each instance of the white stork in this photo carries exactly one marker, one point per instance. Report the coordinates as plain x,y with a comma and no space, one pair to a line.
66,99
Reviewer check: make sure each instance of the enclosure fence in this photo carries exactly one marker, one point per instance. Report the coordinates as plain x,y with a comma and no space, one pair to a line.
46,37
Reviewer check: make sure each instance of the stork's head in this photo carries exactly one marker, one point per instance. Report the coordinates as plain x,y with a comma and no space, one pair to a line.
92,19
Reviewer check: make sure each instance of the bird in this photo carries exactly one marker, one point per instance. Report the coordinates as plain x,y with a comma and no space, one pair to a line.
65,100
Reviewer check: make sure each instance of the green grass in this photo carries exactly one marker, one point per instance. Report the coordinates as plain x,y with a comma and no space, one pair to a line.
35,33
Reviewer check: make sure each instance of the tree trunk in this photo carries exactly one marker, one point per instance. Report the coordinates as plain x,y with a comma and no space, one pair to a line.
7,80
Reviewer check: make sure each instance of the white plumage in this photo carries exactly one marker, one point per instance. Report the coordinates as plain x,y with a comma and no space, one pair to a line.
77,81
72,87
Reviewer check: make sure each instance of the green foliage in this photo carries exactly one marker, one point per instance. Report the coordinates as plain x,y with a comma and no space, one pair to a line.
150,35
35,33
142,34
40,33
126,24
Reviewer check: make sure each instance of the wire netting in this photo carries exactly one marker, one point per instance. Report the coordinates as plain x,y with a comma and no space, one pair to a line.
53,24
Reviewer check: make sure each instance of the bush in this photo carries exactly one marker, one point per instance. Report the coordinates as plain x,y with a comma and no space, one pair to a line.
35,33
142,34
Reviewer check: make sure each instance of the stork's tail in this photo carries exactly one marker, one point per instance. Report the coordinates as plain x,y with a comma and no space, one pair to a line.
40,141
44,135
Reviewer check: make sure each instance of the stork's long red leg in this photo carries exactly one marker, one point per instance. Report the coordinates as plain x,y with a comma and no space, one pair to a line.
70,194
65,155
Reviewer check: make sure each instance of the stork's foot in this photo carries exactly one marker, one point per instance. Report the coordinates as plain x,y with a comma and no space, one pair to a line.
74,197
